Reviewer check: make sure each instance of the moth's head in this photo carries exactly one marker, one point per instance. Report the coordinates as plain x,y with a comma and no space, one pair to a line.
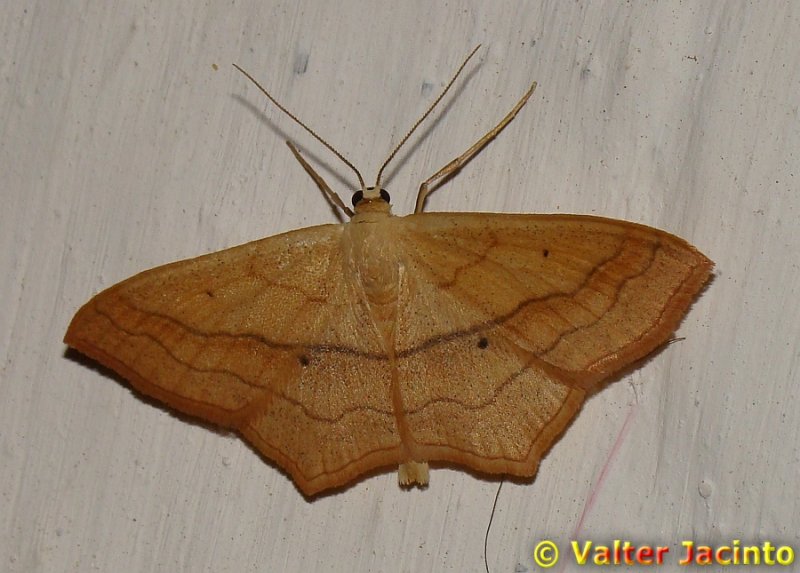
373,200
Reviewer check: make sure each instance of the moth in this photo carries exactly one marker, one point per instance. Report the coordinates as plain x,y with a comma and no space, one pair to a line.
467,339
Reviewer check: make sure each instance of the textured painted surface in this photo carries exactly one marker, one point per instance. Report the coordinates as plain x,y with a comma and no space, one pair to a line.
129,141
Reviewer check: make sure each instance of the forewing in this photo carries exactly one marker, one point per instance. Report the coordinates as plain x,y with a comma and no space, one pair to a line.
507,321
264,338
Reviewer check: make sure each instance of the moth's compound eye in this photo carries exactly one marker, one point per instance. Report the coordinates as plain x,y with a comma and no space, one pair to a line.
357,197
385,195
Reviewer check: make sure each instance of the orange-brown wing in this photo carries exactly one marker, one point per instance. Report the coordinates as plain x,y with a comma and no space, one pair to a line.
265,338
508,320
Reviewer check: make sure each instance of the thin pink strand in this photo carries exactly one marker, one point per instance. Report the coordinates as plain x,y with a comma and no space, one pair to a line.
595,491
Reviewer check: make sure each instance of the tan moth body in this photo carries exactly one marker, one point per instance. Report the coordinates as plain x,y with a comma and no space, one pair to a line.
461,338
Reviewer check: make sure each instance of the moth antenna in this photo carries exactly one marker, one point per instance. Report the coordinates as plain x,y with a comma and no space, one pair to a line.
308,129
421,119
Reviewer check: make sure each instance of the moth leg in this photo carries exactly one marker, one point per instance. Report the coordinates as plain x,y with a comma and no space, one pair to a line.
329,193
431,182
